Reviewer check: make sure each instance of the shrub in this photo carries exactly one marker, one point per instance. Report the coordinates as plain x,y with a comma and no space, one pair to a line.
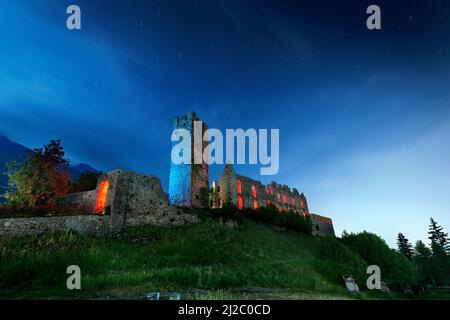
395,267
272,215
335,260
228,212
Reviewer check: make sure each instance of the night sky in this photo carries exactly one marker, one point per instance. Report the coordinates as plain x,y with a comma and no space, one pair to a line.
364,116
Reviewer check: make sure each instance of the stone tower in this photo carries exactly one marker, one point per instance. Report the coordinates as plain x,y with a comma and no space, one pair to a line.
228,185
186,179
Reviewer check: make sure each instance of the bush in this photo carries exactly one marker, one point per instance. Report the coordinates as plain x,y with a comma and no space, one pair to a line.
298,222
395,267
272,215
336,260
228,212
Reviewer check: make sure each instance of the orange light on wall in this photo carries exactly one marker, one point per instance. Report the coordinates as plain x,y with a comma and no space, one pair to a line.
293,201
279,197
255,194
239,186
240,203
102,196
239,190
302,204
284,198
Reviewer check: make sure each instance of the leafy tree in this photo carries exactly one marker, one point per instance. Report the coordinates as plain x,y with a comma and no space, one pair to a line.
41,179
404,246
422,260
86,182
395,267
438,236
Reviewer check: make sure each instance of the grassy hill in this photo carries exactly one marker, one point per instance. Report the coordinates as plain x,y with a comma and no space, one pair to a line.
207,260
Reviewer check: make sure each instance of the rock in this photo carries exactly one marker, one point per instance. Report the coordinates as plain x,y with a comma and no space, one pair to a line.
351,285
384,288
174,296
153,296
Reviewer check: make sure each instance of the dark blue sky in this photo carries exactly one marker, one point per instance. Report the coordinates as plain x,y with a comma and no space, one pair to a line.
364,116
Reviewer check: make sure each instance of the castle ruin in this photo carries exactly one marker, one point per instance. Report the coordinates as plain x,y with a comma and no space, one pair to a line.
125,198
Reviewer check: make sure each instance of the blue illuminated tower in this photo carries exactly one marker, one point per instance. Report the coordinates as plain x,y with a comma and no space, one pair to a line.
186,180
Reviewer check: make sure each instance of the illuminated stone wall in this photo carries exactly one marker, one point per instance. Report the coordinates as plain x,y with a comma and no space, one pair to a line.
83,200
136,198
185,180
131,199
321,225
255,195
227,187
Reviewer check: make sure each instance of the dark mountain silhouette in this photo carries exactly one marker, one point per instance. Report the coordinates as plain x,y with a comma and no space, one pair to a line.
10,150
77,170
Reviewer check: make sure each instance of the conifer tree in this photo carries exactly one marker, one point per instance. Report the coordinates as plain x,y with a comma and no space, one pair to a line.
438,236
404,246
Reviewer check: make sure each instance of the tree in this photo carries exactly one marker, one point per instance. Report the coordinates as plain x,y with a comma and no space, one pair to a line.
41,179
440,264
404,246
438,236
440,248
395,268
206,196
422,260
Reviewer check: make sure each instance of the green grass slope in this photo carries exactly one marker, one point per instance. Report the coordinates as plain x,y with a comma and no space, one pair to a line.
206,260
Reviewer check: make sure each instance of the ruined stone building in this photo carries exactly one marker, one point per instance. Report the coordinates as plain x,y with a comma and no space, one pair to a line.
186,180
245,192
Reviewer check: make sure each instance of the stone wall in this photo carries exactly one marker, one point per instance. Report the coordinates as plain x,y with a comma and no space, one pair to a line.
128,193
89,224
253,194
163,219
132,193
322,226
84,200
97,225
